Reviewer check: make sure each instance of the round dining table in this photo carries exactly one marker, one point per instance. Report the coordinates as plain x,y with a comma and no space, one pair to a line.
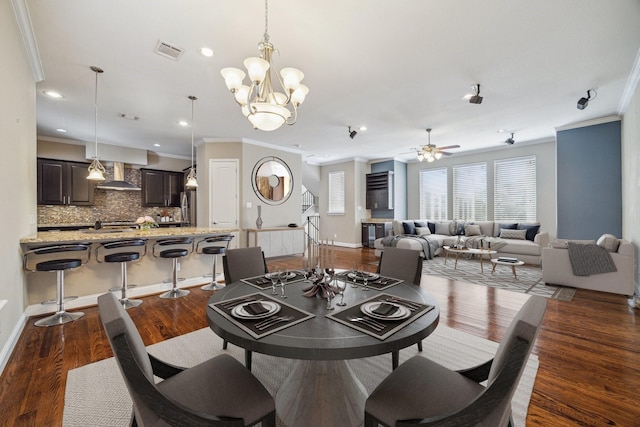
321,386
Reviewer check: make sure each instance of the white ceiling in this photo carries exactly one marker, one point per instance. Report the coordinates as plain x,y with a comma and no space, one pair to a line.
397,67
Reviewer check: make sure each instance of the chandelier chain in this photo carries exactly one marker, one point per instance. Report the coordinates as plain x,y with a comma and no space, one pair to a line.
266,21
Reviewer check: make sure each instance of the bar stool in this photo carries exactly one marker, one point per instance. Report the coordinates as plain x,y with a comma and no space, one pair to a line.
60,259
176,250
123,258
214,249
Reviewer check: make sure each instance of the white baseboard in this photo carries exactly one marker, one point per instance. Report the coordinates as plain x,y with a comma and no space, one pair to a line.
89,300
7,349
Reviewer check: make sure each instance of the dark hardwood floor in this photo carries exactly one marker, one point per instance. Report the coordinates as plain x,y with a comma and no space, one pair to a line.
589,349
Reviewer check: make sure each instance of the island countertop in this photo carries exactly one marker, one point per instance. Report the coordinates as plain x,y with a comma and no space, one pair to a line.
106,235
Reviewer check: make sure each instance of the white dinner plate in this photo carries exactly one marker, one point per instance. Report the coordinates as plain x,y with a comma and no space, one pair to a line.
401,313
239,311
291,275
362,274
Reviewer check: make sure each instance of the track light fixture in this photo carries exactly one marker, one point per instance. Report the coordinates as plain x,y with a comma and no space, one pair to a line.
510,140
475,98
352,133
584,102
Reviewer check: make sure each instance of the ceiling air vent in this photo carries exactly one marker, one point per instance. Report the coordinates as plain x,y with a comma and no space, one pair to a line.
168,51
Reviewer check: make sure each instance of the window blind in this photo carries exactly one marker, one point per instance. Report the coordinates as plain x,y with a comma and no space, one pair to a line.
515,189
470,192
433,193
336,192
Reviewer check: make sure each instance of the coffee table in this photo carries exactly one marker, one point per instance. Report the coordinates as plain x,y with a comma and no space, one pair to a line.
471,251
496,261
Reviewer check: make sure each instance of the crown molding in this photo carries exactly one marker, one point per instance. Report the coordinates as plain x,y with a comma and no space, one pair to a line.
630,87
23,19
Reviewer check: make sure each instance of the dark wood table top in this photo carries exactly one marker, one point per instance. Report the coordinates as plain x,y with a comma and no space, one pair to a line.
321,338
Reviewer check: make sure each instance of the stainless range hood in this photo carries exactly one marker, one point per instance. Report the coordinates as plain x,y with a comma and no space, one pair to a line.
118,182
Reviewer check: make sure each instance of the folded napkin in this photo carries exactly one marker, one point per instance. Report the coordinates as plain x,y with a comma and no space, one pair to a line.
255,308
385,309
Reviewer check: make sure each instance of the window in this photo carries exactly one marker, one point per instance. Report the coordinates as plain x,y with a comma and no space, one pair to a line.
470,192
433,193
515,189
336,192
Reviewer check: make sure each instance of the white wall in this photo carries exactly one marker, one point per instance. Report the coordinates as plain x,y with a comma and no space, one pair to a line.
631,178
17,172
545,175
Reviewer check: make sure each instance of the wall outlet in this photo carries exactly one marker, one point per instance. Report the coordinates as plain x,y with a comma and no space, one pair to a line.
249,205
335,236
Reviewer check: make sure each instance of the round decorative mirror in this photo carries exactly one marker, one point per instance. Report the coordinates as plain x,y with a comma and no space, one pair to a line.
272,180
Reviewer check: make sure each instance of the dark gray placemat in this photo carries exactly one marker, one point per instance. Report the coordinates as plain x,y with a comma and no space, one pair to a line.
264,282
249,325
378,284
390,326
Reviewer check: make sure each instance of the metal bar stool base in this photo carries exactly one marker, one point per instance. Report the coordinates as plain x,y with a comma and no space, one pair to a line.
174,293
213,286
59,318
128,303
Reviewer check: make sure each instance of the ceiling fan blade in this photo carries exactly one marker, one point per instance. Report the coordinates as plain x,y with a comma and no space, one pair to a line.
448,147
446,153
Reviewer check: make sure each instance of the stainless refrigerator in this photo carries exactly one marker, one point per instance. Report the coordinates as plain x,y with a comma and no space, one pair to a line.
188,207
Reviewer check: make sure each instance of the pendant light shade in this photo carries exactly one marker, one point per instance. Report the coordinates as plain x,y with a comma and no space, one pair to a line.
96,170
192,182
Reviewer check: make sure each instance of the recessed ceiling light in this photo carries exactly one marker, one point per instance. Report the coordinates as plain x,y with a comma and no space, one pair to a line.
156,145
362,128
53,94
183,123
205,51
61,130
502,130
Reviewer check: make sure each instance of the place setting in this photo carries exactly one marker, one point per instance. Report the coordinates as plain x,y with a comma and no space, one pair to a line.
381,315
266,281
358,277
259,314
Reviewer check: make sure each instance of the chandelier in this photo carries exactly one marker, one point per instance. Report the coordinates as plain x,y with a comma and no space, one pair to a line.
96,170
265,108
192,182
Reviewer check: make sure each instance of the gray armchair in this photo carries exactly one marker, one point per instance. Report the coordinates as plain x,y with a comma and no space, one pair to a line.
218,392
423,393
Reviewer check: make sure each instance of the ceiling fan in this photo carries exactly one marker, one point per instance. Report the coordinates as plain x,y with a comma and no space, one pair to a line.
430,152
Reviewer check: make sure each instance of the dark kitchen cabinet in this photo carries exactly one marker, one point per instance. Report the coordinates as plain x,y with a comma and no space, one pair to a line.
64,183
380,190
161,188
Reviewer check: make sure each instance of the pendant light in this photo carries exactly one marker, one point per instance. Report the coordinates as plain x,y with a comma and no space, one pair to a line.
96,170
192,182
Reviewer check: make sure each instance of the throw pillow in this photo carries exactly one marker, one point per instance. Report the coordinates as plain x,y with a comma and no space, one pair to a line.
513,234
409,227
423,231
472,230
609,242
512,226
420,223
442,228
532,230
458,228
432,227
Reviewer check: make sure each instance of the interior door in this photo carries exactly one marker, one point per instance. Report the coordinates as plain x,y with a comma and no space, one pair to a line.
223,195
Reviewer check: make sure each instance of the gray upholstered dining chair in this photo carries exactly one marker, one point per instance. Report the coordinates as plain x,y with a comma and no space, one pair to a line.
423,393
239,264
217,392
403,264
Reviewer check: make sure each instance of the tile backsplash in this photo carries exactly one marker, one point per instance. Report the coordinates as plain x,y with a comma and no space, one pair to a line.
109,205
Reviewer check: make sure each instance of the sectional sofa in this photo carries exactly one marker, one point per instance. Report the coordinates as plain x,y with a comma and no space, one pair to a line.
518,240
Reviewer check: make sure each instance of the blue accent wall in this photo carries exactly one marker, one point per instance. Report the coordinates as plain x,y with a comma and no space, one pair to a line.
589,181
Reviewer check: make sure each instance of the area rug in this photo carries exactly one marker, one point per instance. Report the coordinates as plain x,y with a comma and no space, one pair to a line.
529,280
97,396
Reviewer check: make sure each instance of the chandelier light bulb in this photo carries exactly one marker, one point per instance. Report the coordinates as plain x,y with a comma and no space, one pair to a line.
291,78
232,77
256,69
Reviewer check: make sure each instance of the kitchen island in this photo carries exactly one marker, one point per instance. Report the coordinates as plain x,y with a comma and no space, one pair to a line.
95,278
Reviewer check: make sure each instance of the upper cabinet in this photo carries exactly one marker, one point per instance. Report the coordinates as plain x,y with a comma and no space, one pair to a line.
161,188
64,183
380,190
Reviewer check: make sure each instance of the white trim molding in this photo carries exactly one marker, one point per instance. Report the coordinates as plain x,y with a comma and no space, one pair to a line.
23,19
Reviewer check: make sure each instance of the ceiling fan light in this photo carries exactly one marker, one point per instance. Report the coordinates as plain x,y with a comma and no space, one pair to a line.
438,155
420,157
232,77
256,68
